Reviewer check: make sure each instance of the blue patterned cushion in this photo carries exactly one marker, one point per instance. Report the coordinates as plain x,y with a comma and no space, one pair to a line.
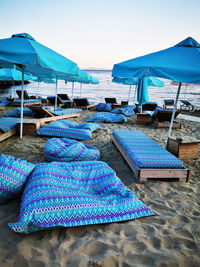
69,129
13,175
104,107
65,150
17,113
126,110
61,111
107,117
73,194
145,152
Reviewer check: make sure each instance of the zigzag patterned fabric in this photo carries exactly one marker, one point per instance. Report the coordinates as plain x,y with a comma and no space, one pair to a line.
104,107
107,117
13,175
17,113
66,150
69,129
61,111
126,110
72,194
145,152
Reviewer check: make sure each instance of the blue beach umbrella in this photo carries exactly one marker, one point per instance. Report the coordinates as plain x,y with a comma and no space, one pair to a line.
32,57
141,86
180,63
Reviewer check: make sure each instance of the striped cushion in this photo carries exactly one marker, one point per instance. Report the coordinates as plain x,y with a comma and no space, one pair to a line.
107,117
13,175
69,129
61,111
145,152
65,150
73,194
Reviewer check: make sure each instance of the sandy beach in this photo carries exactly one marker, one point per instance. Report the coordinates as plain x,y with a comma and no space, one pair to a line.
170,238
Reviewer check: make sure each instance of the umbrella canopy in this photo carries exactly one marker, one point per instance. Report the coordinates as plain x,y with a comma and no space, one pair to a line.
152,81
23,51
180,63
37,59
142,86
13,75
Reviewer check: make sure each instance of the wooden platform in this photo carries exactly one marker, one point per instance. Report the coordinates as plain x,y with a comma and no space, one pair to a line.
188,148
8,134
143,174
87,107
143,118
166,124
18,104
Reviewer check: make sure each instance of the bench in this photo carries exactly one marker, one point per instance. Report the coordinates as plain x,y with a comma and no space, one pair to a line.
146,158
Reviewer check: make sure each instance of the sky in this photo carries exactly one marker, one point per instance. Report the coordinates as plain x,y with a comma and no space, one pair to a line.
96,34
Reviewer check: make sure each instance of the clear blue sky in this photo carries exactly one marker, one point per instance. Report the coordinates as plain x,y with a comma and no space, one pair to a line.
100,33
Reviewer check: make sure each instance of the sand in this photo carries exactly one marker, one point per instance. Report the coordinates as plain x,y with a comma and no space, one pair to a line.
170,238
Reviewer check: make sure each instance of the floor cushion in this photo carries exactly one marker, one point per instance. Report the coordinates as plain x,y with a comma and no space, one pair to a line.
60,194
107,117
104,107
66,150
69,129
17,113
13,175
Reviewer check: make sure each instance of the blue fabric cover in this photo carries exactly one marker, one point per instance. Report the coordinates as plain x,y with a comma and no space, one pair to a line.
4,102
66,150
28,100
17,113
145,152
69,129
126,110
7,123
178,63
61,111
104,107
13,175
61,194
107,117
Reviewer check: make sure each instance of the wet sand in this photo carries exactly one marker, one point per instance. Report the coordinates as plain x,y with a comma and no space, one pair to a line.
170,238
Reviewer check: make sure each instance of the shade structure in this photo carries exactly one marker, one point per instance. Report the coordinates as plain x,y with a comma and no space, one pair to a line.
37,59
23,51
142,86
13,75
180,63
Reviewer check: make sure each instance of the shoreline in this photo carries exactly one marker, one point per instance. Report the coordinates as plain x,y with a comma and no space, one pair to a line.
169,238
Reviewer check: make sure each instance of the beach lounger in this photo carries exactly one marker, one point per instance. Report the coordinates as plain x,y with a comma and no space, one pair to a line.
188,106
17,113
150,106
60,194
168,103
8,127
111,100
162,118
146,158
64,96
26,102
60,102
84,103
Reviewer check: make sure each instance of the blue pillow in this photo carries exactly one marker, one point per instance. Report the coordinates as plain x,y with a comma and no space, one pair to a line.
60,194
17,113
66,150
13,175
107,117
104,107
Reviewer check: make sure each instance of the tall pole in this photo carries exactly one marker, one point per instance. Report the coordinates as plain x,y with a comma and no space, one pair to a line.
80,88
135,93
72,93
173,114
56,98
22,103
38,89
129,93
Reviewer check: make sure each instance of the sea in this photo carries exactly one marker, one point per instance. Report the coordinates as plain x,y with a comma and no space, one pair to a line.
106,88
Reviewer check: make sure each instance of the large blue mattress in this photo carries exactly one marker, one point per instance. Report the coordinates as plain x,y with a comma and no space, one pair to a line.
145,152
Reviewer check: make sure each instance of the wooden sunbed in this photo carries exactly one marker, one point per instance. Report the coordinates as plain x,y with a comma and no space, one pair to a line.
162,119
143,174
83,103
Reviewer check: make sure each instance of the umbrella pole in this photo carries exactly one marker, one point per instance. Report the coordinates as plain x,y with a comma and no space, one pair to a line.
38,90
72,93
56,98
80,89
134,94
22,103
173,114
129,92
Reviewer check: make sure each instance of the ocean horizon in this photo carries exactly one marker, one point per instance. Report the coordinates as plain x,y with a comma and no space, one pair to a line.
106,88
